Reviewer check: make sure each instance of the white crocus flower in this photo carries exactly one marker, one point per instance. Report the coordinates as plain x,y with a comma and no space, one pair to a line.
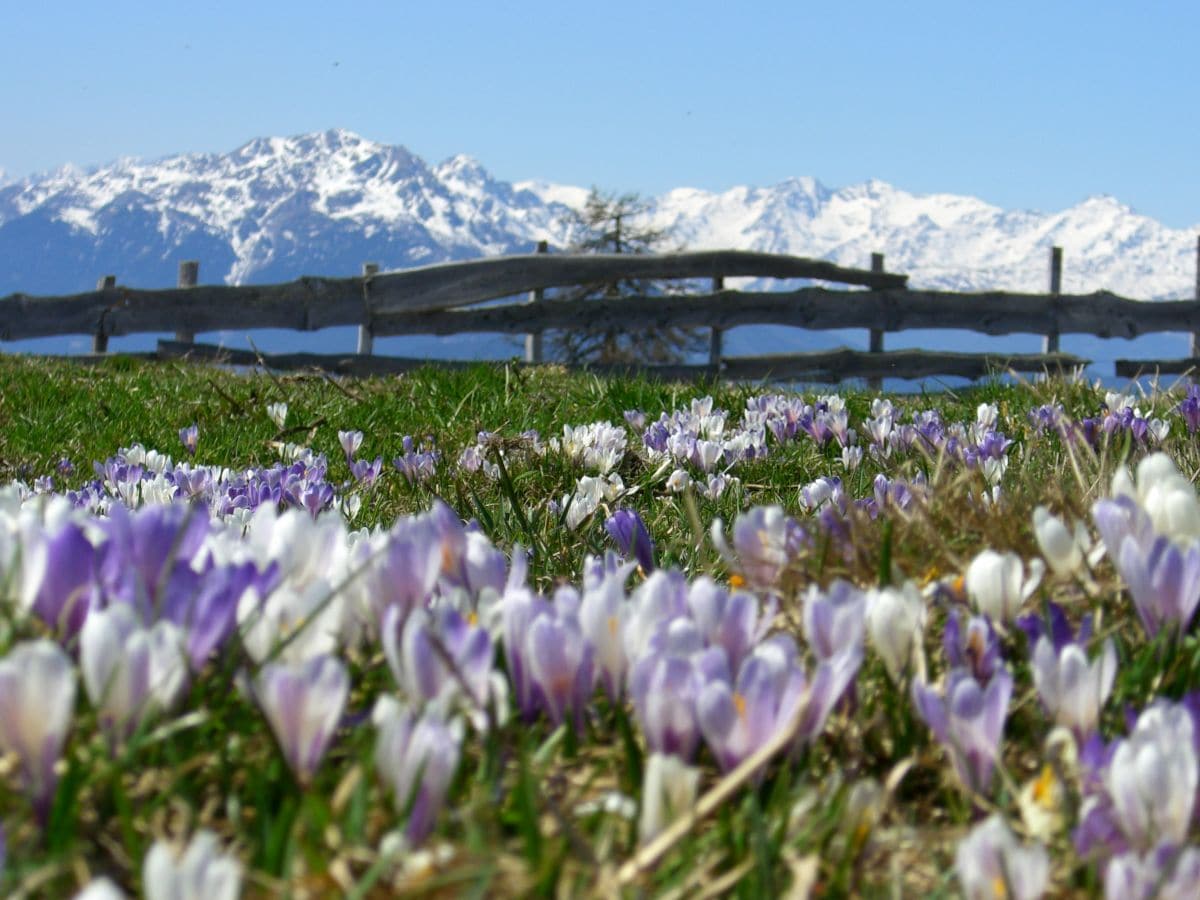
130,670
991,863
1063,549
895,621
277,413
202,872
1073,690
997,583
668,791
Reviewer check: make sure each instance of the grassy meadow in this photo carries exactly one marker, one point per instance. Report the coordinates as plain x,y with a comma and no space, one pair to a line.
550,797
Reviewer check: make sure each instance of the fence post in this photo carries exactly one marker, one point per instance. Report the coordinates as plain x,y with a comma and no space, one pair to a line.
366,338
1050,340
1195,348
100,338
533,341
189,277
875,344
716,335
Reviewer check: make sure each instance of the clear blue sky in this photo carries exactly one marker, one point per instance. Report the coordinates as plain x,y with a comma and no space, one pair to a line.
1026,104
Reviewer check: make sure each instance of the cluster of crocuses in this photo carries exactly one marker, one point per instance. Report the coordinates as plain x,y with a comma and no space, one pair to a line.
136,477
140,602
1118,415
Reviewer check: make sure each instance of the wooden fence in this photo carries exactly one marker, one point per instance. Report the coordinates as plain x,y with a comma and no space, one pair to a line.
444,299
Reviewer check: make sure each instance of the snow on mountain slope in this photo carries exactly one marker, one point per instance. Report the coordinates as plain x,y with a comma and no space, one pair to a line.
324,203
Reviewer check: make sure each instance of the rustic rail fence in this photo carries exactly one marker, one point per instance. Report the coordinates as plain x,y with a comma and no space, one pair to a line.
444,299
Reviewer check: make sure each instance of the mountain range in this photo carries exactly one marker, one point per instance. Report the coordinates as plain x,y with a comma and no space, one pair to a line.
325,203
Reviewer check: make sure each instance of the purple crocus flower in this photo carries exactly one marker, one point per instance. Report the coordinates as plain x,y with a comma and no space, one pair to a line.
303,702
190,438
1164,581
1152,778
418,757
1189,408
975,648
61,574
407,569
37,699
561,665
729,620
629,533
438,656
665,689
364,472
834,618
765,541
739,718
968,720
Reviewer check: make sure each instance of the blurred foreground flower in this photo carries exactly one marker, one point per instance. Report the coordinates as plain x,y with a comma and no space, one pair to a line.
130,671
968,721
895,620
997,584
669,790
202,872
303,702
991,864
37,699
1072,689
418,757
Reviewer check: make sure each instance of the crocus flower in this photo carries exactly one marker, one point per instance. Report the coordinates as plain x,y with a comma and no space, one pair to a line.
277,413
561,665
975,648
1062,548
669,789
727,619
1152,778
997,584
418,757
834,618
991,863
895,620
61,577
414,648
350,441
1164,581
37,698
629,533
603,611
201,872
765,540
129,670
737,719
190,438
1072,689
1166,495
101,888
968,721
1166,873
303,702
664,689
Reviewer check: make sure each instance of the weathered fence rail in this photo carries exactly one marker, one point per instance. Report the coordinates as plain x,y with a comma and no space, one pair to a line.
443,299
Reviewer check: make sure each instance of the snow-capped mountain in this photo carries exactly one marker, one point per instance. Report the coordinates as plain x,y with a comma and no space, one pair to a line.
324,203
